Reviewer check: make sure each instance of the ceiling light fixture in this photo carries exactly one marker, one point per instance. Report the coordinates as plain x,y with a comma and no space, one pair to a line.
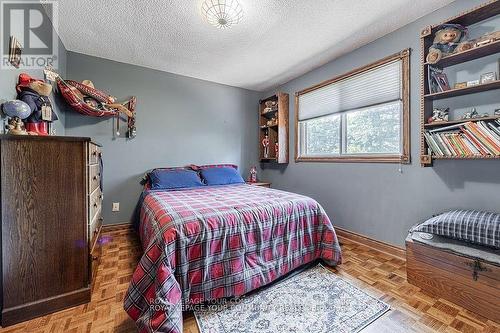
222,13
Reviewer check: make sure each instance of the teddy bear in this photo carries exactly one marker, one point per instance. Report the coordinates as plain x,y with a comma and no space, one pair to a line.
36,94
446,39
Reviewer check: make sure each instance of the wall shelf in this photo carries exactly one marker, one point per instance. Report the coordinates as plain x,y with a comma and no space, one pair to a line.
460,121
277,133
464,91
473,16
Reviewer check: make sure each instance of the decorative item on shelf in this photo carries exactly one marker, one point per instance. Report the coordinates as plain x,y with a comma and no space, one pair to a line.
252,177
86,100
15,50
265,144
446,39
439,115
17,111
442,80
460,85
473,83
471,115
36,94
432,74
276,149
272,122
488,77
497,112
271,106
487,39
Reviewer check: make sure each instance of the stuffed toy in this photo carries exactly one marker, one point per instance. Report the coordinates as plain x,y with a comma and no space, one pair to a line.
36,94
446,40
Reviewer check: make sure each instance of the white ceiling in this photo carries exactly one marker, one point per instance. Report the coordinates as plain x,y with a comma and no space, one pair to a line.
277,40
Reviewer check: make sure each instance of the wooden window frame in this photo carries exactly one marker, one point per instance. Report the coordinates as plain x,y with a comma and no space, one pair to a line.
404,157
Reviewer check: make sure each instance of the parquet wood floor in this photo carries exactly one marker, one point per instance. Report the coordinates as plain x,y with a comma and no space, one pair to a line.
378,273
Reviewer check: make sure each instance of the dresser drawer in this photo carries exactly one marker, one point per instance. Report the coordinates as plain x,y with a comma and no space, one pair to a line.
95,258
95,203
94,226
94,152
94,177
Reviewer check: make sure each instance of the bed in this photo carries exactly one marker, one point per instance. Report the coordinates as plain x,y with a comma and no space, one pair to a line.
456,256
212,242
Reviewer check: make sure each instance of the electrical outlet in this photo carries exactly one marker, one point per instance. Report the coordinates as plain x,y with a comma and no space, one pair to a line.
116,206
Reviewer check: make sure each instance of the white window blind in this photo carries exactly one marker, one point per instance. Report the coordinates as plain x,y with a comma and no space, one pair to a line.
378,85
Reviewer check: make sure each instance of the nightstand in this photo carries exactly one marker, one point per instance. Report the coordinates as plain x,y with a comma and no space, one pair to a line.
263,184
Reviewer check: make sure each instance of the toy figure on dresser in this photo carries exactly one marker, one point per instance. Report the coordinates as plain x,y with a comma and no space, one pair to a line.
439,114
252,177
16,127
17,111
36,94
265,144
446,39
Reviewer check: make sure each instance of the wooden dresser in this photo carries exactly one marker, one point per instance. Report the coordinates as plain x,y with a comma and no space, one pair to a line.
50,223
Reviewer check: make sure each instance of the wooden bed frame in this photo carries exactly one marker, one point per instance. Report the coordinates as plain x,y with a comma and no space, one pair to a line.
468,282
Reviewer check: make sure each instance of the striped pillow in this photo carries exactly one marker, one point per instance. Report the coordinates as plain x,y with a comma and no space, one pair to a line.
468,225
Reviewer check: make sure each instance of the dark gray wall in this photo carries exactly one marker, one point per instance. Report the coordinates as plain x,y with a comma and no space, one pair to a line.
376,199
180,121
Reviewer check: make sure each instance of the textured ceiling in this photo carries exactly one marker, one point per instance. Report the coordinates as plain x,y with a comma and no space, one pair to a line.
277,40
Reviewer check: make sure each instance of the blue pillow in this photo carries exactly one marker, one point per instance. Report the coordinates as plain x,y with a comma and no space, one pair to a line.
221,176
172,179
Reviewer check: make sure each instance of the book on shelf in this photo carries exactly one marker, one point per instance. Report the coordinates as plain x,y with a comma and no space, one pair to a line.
469,139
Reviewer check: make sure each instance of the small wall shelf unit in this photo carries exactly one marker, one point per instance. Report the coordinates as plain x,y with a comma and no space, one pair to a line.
427,97
273,128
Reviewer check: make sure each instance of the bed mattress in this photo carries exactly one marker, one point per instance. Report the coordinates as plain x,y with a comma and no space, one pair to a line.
213,242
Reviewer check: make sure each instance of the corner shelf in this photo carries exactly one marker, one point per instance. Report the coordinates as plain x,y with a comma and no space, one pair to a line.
277,133
467,18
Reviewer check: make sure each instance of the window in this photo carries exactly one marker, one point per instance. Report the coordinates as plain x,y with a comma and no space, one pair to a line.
360,116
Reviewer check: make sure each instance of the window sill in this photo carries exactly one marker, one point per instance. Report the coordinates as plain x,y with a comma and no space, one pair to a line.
357,159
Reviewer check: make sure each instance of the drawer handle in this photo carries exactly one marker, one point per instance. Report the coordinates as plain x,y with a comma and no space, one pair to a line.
100,219
94,178
94,153
95,205
95,258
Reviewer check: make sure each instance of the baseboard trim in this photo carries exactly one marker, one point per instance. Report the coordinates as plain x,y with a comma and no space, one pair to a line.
117,227
380,246
23,312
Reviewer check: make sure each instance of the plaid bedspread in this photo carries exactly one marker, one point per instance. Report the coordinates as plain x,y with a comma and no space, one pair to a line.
214,242
477,227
